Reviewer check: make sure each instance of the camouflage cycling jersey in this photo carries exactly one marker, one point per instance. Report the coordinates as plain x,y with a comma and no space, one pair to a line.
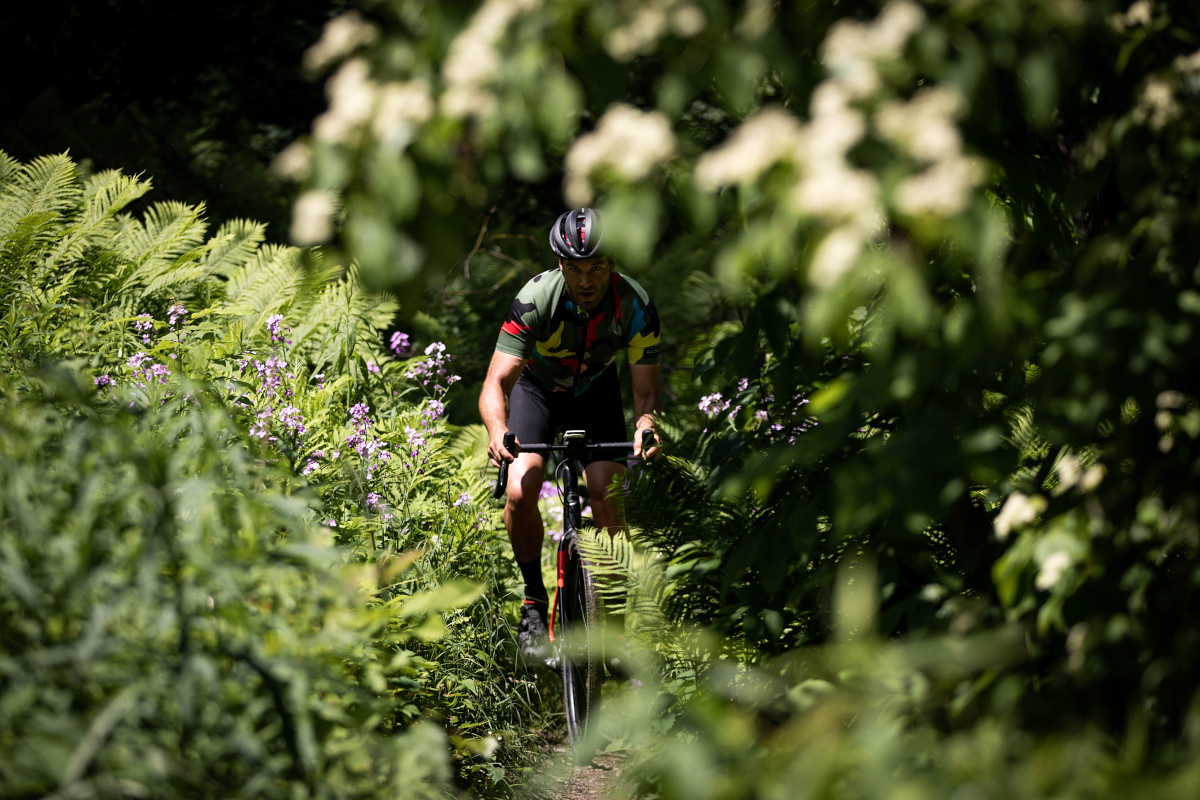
566,348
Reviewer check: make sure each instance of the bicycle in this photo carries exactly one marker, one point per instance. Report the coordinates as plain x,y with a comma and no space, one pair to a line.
577,614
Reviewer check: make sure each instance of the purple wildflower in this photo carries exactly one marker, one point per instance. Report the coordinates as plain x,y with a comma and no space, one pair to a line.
400,343
713,404
144,325
289,417
277,329
434,370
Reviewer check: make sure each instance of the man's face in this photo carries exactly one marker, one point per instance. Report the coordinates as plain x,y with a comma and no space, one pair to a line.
587,280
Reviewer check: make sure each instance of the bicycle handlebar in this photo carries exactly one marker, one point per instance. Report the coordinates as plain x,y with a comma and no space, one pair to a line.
576,446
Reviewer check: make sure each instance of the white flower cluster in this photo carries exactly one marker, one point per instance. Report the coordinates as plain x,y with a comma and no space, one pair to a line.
628,141
847,200
650,22
1018,511
1072,474
1157,104
393,110
343,35
1139,15
312,218
853,50
474,59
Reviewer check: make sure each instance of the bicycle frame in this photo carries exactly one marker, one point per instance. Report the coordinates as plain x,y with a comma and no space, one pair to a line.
572,449
575,585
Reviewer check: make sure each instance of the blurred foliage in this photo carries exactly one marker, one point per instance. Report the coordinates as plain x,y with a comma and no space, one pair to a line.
949,253
241,556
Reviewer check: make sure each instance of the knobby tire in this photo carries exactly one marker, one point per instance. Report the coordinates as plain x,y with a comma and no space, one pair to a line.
581,659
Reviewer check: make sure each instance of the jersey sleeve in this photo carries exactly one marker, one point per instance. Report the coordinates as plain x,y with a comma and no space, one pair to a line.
643,332
517,333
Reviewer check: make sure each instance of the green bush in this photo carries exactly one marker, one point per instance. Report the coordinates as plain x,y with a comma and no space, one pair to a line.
243,555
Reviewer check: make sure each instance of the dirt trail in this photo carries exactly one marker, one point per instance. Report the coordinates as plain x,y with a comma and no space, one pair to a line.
599,780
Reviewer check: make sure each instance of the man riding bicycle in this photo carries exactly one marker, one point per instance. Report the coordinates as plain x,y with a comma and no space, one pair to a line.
553,369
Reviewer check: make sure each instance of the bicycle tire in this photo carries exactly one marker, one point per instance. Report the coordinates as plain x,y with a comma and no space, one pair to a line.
582,668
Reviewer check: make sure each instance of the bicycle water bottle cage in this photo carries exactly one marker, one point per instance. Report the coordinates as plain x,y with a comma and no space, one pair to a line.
571,435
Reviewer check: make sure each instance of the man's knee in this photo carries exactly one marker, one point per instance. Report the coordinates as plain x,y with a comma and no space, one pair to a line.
524,485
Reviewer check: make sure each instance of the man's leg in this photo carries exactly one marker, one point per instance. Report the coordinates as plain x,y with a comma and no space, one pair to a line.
523,520
525,532
607,510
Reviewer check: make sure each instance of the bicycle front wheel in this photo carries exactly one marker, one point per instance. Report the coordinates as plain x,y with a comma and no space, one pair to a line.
579,615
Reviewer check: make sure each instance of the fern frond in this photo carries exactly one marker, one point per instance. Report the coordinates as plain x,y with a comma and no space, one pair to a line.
166,230
23,247
630,579
1024,435
468,445
232,247
35,203
343,319
167,237
104,196
9,167
267,283
610,558
47,185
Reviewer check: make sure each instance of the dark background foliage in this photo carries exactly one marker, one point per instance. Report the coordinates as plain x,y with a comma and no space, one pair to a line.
198,97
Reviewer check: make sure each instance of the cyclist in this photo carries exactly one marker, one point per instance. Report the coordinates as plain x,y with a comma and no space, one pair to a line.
553,368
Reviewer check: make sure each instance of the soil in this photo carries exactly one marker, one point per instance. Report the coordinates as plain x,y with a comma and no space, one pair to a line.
565,780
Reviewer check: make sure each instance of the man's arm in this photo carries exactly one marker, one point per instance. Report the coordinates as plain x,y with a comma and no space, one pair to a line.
502,375
644,380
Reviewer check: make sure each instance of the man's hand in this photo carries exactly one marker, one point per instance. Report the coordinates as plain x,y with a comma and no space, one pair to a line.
496,450
652,450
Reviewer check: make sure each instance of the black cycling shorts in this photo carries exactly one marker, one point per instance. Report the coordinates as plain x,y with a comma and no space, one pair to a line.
537,414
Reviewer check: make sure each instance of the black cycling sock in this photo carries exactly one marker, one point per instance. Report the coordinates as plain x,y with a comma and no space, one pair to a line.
535,588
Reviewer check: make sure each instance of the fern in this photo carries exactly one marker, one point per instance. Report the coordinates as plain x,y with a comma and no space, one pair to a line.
9,167
233,246
631,579
342,319
48,185
69,251
103,197
168,237
264,285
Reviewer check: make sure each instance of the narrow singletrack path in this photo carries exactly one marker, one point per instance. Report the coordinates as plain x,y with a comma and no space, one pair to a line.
599,780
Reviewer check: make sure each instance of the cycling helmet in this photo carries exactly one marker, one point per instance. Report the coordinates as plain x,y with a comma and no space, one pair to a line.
577,234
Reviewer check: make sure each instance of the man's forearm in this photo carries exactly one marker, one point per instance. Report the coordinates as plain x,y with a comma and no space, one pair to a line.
645,411
493,409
